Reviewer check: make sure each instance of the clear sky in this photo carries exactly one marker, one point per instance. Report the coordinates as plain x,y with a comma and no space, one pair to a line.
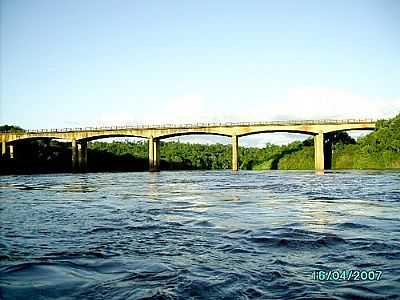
84,63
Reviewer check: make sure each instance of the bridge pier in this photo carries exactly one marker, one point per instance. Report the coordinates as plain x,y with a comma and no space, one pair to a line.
154,154
3,147
7,151
3,150
235,148
11,151
319,158
74,150
82,156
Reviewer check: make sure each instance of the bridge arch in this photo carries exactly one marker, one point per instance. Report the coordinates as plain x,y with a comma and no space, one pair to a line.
17,139
277,131
184,133
329,144
100,155
21,146
275,157
350,129
105,136
80,145
156,158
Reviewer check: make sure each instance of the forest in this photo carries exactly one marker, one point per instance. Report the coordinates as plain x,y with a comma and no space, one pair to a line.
379,149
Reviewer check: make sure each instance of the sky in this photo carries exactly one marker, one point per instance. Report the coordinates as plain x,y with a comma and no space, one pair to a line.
93,62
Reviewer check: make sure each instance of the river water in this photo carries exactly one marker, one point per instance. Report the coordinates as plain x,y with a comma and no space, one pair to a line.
200,235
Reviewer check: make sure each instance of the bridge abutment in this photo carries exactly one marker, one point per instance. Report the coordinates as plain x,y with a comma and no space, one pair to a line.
235,149
154,154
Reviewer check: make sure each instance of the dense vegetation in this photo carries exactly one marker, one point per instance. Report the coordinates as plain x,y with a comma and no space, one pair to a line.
177,155
10,128
377,150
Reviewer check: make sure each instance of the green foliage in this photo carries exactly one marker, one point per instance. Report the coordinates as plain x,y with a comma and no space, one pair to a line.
138,149
195,156
10,128
177,155
381,148
377,150
302,159
340,137
343,156
386,138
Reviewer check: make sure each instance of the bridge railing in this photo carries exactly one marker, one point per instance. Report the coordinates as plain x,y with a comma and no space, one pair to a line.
195,125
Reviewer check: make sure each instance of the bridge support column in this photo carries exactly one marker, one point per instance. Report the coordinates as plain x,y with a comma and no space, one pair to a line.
154,155
82,156
3,149
157,154
74,148
235,148
11,151
319,151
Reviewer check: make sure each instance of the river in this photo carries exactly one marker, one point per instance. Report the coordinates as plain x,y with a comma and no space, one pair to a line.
200,235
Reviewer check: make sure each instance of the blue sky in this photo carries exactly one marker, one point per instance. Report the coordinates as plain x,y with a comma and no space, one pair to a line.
85,63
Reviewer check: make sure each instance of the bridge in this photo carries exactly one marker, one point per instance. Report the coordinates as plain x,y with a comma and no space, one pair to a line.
79,137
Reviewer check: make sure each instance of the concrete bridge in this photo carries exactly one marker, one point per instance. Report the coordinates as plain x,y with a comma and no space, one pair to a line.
79,137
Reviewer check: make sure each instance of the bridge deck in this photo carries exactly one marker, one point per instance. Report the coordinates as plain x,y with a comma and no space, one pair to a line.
197,125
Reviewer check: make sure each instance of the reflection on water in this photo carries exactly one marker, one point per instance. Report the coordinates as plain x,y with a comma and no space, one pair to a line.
198,235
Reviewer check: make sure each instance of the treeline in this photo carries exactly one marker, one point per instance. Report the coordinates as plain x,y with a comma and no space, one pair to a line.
186,156
377,150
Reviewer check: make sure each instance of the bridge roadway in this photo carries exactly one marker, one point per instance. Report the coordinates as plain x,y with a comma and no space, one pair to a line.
79,137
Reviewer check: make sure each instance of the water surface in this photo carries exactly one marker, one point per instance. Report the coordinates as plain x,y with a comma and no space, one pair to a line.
198,235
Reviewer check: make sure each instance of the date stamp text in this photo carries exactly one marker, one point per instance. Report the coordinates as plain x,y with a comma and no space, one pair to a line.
347,275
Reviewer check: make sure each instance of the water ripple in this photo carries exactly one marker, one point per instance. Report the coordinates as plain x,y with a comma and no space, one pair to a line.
198,235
